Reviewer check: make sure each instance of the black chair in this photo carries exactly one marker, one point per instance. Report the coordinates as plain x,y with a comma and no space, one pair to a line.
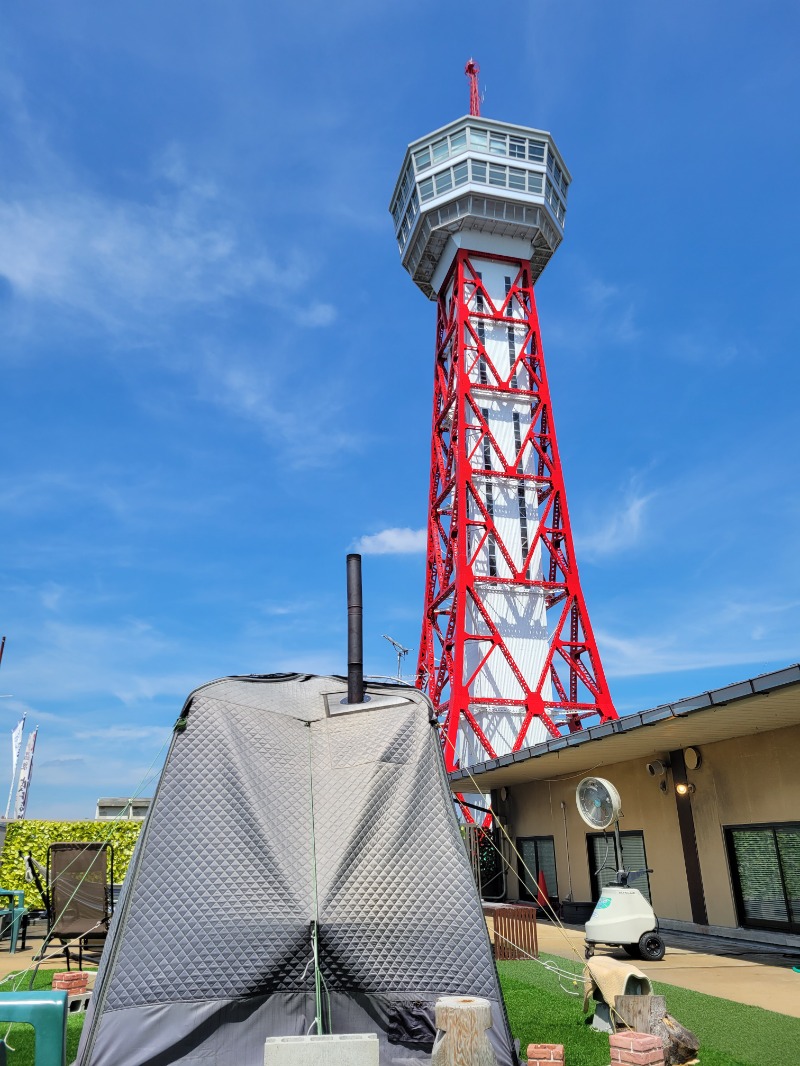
79,903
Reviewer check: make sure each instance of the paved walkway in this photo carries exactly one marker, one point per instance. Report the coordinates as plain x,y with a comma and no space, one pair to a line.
23,960
745,972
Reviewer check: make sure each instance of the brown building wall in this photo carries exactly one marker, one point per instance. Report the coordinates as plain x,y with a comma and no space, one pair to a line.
745,780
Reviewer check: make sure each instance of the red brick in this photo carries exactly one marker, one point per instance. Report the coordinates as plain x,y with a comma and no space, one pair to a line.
546,1052
642,1058
69,982
630,1041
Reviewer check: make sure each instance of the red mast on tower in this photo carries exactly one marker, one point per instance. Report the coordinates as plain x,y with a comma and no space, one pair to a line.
507,654
472,70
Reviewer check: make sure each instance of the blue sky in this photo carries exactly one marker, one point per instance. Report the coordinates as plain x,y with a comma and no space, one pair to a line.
215,377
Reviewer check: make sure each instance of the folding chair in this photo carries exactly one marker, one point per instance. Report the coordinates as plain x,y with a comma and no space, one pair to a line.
79,904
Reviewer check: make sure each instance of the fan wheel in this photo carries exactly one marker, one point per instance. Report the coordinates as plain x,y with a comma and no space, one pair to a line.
651,947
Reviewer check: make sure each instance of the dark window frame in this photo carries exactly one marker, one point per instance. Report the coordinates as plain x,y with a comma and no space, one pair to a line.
524,892
790,925
609,836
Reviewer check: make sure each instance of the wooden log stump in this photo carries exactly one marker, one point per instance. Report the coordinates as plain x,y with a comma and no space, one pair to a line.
648,1014
640,1013
461,1039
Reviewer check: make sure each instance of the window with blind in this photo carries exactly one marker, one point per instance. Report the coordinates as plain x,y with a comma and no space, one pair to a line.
604,861
765,869
537,854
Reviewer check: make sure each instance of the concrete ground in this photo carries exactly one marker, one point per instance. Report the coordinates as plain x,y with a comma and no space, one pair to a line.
23,959
742,971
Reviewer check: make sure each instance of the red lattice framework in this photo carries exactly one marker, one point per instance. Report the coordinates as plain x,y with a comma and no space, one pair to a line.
571,686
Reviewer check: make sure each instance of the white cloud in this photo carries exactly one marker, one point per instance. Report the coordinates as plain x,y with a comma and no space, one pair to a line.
393,542
704,347
124,662
701,637
619,532
51,596
123,733
116,261
247,389
124,263
599,314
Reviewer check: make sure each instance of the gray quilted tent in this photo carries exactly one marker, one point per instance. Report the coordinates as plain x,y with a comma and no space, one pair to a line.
282,810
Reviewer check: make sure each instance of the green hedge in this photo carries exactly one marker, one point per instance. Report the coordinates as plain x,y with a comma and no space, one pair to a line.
36,836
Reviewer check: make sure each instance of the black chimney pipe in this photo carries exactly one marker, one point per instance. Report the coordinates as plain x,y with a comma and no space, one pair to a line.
355,632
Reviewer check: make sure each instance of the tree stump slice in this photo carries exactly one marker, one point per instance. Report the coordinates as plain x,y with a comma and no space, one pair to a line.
461,1040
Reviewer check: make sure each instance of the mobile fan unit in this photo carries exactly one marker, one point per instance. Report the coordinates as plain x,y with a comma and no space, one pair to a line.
622,916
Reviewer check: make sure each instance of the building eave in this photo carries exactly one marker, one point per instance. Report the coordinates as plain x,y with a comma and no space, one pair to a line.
760,704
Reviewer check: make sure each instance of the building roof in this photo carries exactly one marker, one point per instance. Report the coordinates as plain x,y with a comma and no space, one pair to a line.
766,702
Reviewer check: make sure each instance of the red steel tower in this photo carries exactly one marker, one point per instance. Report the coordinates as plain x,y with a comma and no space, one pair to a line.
507,654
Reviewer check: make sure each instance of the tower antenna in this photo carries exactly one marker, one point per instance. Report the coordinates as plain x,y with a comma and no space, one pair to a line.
472,70
401,654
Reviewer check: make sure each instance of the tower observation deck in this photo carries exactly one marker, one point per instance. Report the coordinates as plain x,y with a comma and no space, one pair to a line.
507,654
486,185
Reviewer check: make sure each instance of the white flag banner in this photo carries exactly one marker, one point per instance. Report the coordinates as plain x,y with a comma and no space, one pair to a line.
16,745
25,777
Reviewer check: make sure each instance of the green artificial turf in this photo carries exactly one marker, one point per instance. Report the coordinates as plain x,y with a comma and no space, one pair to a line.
21,1037
730,1034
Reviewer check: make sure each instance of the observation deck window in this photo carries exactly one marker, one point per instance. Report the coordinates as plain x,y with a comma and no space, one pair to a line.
497,175
498,144
559,178
513,146
408,219
478,171
556,204
536,151
440,150
481,172
516,179
516,147
422,159
453,144
402,194
444,182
